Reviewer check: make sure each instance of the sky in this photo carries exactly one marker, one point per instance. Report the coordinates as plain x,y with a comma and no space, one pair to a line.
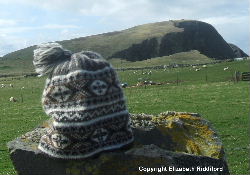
25,23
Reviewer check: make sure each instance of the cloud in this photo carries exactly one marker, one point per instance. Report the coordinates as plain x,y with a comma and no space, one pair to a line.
230,18
58,26
11,43
225,20
7,22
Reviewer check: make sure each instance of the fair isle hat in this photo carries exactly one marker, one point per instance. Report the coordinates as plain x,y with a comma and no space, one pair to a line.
84,97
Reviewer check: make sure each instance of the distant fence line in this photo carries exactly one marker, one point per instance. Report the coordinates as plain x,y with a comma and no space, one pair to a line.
171,66
18,75
245,76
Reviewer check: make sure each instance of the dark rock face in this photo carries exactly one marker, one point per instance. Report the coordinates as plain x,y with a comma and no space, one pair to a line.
237,51
196,35
156,149
137,52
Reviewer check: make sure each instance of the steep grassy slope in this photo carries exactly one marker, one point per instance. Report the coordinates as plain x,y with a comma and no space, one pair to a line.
108,43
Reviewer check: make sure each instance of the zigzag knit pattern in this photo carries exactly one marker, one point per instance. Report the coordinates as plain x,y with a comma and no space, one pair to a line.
89,112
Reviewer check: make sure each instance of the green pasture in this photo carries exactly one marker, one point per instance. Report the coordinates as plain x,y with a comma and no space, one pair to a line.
187,75
222,101
190,57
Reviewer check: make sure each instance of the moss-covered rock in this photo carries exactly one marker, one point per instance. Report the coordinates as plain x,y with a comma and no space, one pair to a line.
170,143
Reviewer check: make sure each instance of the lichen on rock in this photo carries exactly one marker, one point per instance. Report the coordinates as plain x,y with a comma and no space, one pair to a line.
177,139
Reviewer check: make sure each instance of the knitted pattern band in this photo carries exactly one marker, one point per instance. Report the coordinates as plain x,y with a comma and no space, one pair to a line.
84,97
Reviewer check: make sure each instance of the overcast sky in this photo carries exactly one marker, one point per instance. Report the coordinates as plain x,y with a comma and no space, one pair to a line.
28,22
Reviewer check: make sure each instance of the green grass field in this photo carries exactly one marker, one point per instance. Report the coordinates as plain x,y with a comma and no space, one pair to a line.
190,57
219,99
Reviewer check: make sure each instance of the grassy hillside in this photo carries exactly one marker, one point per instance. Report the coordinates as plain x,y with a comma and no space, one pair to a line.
107,43
172,38
191,57
220,100
21,65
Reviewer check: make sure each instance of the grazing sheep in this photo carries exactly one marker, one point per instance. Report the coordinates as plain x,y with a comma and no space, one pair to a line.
198,69
226,68
22,87
205,66
124,85
194,67
2,85
150,72
12,99
11,85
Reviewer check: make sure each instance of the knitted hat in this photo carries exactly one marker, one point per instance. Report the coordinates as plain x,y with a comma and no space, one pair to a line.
84,97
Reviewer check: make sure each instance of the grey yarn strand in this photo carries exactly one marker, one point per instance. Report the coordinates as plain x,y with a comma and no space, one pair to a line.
48,55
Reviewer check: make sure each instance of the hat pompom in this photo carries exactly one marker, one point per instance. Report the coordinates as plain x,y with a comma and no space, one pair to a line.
48,55
91,55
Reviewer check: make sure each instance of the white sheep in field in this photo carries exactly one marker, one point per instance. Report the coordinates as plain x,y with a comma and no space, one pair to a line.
226,68
150,72
194,67
12,99
2,85
11,85
198,69
205,66
22,87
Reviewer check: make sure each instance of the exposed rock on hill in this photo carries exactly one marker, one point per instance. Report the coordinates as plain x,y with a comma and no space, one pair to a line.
195,35
237,51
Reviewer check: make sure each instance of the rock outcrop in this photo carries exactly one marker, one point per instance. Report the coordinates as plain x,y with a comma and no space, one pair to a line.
237,51
195,35
172,143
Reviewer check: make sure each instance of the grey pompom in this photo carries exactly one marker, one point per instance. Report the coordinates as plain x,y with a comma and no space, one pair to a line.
91,55
48,55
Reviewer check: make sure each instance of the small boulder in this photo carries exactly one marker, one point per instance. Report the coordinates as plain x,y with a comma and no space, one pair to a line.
169,143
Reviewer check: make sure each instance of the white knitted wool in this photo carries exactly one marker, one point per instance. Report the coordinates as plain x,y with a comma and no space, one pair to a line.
84,97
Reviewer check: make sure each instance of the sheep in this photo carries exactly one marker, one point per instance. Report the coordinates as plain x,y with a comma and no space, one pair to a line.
12,99
11,85
2,85
198,69
124,85
205,66
22,87
194,67
150,72
226,68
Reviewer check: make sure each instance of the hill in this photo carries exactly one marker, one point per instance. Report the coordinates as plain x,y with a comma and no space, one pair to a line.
138,43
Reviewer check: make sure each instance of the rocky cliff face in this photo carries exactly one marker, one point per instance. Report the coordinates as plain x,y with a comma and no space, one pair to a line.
195,35
237,51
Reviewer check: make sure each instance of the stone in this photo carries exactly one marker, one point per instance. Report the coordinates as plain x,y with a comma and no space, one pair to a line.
171,142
